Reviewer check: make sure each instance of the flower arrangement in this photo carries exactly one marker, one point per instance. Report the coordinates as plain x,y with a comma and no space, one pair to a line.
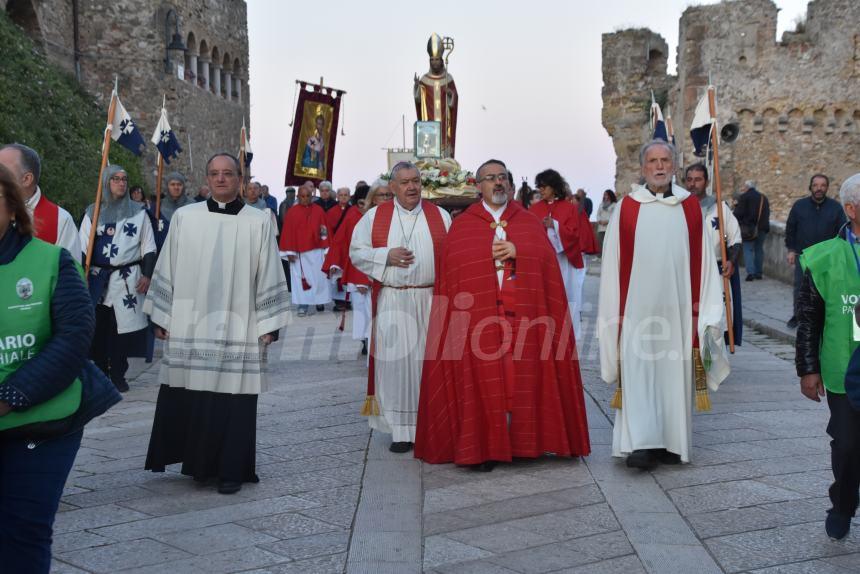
443,174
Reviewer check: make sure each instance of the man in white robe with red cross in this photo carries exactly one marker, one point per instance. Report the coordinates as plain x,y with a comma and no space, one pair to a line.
398,245
661,316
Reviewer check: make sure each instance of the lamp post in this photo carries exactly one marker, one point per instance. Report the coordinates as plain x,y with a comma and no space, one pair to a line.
174,43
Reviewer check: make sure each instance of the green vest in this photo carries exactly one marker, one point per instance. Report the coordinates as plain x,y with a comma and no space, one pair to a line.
836,277
26,288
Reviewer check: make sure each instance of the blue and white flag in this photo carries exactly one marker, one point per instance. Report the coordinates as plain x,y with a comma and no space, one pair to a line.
245,146
658,125
700,129
164,138
124,131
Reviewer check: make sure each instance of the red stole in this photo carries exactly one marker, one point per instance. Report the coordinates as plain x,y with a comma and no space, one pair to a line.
45,219
568,227
627,239
379,238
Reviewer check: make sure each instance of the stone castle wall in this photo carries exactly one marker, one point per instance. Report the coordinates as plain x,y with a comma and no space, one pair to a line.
794,100
127,39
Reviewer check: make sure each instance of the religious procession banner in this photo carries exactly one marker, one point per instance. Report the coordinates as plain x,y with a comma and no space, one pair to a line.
314,132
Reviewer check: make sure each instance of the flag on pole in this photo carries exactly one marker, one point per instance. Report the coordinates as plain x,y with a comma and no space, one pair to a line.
658,125
245,146
700,130
124,131
164,139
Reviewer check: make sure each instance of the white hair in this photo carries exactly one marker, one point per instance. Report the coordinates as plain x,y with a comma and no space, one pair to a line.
750,184
377,184
346,189
850,190
654,143
326,184
401,165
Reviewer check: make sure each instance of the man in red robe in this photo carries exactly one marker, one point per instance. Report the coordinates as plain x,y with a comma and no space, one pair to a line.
501,375
334,217
338,267
304,238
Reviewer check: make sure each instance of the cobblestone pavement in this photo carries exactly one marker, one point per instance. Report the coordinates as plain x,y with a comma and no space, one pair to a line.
333,499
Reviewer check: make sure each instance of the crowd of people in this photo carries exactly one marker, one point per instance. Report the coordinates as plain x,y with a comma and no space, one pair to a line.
469,323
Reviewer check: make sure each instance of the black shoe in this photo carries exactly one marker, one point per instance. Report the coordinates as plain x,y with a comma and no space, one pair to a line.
642,459
750,278
666,457
229,487
791,323
338,306
364,347
121,386
486,466
320,307
837,525
400,447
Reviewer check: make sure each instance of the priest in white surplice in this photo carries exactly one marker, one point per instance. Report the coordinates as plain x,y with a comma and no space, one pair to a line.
397,245
304,239
658,266
218,296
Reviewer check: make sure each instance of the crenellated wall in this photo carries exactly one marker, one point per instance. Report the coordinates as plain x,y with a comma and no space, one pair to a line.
795,100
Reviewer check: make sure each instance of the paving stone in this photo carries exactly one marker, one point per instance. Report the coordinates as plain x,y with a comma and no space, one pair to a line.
441,522
567,554
572,523
94,517
812,483
472,567
289,525
310,546
500,537
58,567
338,515
736,520
622,565
656,528
734,494
376,547
676,559
381,515
775,546
202,518
129,554
218,563
106,496
440,550
321,565
196,497
77,540
213,539
850,562
806,567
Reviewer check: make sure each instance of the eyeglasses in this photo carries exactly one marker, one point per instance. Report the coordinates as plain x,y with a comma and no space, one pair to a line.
119,178
500,177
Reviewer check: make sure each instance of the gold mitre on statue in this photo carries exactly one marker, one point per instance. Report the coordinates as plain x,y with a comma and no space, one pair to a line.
435,46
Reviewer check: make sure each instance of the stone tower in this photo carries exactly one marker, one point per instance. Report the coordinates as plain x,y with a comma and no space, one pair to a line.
206,86
795,100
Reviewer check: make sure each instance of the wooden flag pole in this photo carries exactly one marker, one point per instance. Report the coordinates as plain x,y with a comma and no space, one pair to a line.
98,202
159,175
712,104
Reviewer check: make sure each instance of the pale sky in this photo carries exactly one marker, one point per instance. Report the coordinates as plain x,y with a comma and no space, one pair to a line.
528,75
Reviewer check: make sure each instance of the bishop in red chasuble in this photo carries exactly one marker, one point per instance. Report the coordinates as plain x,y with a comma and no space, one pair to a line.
501,375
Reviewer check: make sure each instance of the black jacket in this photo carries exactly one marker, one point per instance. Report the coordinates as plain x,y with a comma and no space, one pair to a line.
810,327
747,210
810,223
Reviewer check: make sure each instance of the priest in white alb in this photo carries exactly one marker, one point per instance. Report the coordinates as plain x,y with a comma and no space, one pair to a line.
218,298
398,245
661,316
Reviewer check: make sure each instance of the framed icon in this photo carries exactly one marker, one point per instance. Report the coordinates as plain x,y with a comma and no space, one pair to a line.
428,139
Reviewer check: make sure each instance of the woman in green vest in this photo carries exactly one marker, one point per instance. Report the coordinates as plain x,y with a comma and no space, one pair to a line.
827,335
46,324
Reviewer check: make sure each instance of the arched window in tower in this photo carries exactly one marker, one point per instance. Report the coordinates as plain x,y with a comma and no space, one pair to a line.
191,58
227,71
203,61
237,80
215,71
656,62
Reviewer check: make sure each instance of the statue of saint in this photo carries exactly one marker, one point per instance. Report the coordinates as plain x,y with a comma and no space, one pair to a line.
436,95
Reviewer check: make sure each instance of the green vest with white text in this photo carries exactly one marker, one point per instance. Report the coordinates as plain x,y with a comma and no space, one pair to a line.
26,289
837,279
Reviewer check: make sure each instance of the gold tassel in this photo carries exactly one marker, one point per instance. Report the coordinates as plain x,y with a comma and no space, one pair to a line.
703,401
371,407
615,403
